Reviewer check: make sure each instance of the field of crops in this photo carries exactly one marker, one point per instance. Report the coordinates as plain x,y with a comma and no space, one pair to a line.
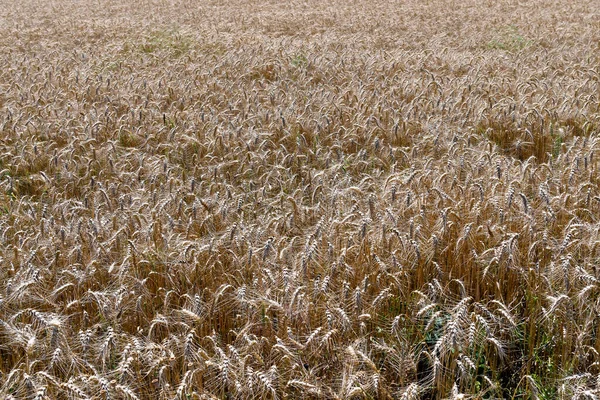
266,199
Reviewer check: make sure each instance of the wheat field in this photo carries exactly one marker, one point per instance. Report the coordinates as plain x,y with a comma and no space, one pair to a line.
299,199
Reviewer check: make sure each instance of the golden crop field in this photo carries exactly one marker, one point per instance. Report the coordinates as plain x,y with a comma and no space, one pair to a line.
271,199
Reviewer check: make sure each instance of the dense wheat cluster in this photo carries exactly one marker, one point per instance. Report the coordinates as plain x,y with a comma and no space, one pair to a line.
299,199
